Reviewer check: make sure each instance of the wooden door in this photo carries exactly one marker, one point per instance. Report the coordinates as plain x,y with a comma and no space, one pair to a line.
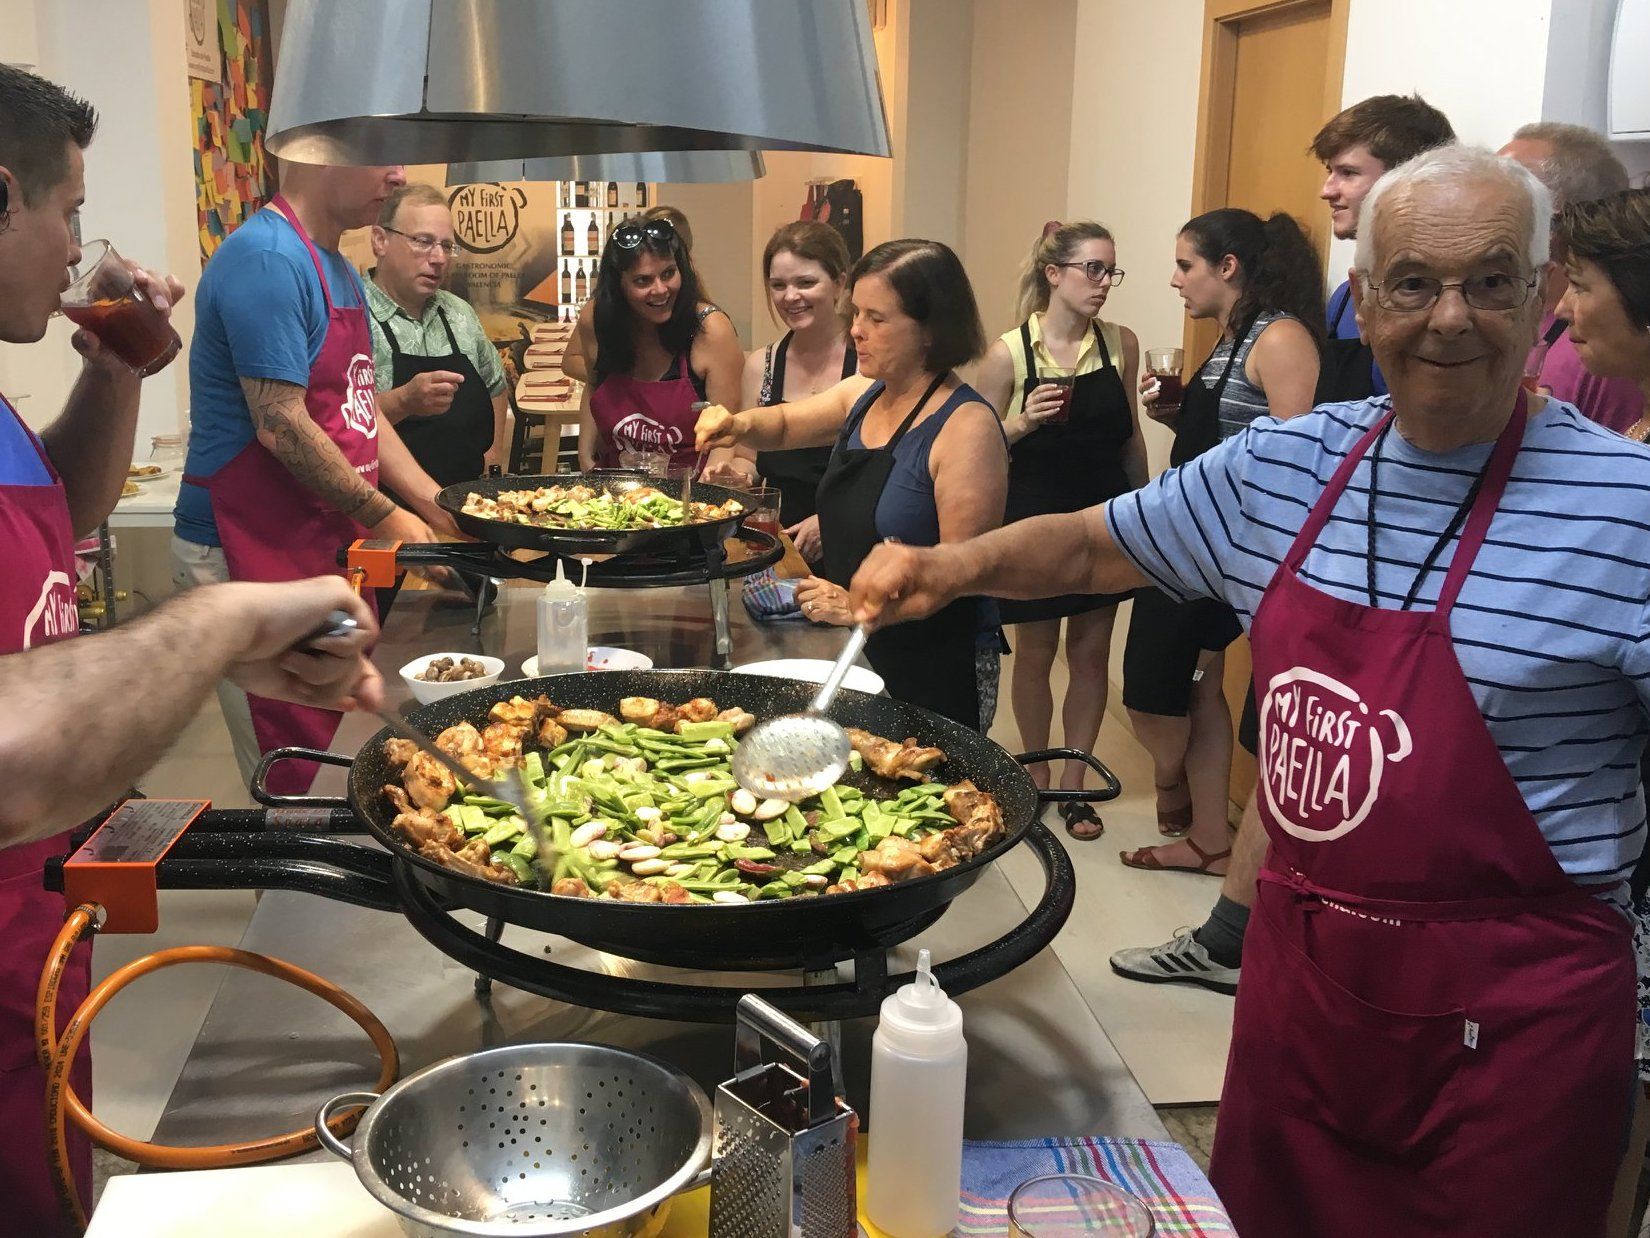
1271,77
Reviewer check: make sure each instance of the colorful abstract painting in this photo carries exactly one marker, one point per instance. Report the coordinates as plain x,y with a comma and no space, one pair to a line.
232,176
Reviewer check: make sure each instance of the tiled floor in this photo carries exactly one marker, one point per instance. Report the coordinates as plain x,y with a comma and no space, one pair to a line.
1174,1039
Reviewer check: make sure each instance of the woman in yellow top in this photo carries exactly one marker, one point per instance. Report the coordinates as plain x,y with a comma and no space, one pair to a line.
1071,447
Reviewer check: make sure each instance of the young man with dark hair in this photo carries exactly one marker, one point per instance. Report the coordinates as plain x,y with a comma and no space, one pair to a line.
56,486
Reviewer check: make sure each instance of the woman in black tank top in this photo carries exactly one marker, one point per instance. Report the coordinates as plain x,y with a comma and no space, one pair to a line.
805,266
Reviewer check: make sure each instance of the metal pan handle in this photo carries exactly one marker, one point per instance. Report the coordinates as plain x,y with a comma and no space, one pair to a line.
260,777
758,1019
1110,791
325,1122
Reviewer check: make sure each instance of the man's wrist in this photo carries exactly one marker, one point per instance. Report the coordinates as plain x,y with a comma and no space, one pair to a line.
373,510
391,405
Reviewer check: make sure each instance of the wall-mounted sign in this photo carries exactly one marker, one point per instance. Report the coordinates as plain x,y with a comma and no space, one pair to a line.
200,47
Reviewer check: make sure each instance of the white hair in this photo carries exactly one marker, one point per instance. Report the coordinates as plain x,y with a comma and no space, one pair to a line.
1459,164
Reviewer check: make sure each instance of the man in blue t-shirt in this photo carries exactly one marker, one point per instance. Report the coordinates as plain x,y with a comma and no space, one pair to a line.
281,404
1358,147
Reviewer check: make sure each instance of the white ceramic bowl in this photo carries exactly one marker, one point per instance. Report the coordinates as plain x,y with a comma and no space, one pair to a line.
813,670
425,692
600,658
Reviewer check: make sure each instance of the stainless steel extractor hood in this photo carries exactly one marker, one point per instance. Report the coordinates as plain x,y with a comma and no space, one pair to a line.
456,81
666,167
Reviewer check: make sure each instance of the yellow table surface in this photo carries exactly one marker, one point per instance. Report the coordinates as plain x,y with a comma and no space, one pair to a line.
690,1215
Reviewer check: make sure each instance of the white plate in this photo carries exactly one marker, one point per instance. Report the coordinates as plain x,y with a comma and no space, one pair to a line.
813,670
425,692
166,472
600,658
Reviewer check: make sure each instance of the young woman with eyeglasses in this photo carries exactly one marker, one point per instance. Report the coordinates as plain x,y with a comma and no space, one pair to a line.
659,349
1075,443
1262,282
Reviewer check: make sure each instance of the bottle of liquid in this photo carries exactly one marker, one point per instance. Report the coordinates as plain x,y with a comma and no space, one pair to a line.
919,1066
581,193
567,234
563,627
641,193
581,283
566,291
612,195
594,236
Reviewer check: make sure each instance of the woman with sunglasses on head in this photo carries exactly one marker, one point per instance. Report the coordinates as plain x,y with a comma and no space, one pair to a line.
575,362
1261,281
1074,444
806,268
659,350
919,457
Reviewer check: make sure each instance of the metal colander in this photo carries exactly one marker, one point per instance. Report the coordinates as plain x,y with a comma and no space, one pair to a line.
528,1140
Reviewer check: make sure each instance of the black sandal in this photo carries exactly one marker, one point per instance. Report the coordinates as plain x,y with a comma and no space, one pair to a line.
1079,815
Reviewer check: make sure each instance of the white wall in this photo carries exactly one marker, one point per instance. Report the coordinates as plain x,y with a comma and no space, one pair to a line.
1576,86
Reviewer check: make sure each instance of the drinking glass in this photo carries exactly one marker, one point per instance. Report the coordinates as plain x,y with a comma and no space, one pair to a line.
762,508
1534,362
1062,379
1069,1205
106,300
653,463
1165,365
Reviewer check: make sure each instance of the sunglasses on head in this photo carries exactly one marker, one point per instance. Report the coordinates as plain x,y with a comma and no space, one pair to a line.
631,234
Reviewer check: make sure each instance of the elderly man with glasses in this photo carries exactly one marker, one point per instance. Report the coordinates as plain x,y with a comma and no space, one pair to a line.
1445,589
439,378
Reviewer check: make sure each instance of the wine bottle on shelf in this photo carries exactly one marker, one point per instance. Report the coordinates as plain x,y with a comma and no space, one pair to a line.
641,194
567,234
565,291
581,283
612,195
594,235
581,193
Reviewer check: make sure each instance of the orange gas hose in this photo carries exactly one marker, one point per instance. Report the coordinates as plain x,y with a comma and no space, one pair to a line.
58,1058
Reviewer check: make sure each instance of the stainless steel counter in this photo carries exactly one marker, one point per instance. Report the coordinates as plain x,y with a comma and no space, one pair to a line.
267,1055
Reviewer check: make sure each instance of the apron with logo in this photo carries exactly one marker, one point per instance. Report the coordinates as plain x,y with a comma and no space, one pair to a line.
274,528
632,414
449,447
1434,1029
37,607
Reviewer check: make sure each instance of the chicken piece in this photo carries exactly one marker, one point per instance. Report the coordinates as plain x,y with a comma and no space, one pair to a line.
459,741
890,760
699,709
502,742
572,887
421,825
895,858
585,719
738,719
636,892
428,782
399,751
517,710
673,893
979,819
461,863
645,711
940,850
551,734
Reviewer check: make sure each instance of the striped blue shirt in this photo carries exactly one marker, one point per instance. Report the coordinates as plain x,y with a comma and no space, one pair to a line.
1552,627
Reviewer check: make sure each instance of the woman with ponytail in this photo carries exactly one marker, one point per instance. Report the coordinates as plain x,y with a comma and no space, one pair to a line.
1262,282
1071,446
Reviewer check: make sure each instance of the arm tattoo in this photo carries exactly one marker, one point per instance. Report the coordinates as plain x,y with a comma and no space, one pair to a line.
283,425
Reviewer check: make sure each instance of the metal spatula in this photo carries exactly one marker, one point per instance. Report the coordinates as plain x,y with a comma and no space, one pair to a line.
794,756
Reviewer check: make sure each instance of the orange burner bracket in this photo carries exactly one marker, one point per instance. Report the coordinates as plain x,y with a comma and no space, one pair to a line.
115,867
370,563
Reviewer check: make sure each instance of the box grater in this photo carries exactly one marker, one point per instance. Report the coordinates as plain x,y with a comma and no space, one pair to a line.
784,1148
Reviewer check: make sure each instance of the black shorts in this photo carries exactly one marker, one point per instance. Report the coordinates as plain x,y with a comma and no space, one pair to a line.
1166,638
1249,724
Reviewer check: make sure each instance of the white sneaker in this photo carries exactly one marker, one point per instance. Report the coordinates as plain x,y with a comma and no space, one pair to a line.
1180,960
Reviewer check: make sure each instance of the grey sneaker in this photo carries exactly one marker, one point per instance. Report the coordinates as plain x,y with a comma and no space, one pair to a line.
1180,960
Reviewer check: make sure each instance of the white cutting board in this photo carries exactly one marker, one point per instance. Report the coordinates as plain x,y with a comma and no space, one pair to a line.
321,1200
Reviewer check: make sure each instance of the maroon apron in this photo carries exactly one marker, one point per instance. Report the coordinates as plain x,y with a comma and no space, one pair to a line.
37,607
636,415
1434,1029
274,528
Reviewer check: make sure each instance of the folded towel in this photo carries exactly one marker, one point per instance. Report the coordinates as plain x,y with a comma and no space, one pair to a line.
768,598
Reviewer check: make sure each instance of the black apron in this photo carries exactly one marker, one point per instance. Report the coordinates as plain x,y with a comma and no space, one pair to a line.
1347,368
1197,428
449,447
795,473
927,662
1067,466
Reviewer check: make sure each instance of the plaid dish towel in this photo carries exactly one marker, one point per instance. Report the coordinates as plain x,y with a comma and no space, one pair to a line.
768,598
1161,1174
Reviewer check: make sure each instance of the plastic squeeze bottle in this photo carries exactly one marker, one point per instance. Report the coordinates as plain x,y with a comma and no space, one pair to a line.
563,626
919,1067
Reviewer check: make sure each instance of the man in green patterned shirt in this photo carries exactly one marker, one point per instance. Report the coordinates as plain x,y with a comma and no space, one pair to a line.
439,378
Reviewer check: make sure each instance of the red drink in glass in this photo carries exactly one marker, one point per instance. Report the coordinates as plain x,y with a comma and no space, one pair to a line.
106,300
